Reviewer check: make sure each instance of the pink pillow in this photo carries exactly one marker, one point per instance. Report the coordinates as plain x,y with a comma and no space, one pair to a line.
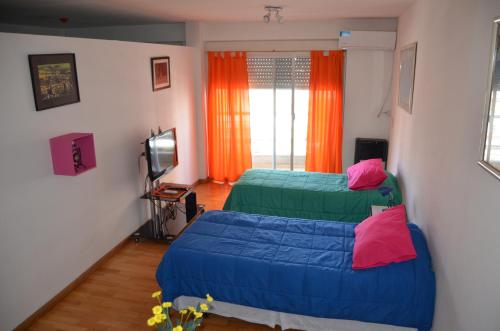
366,175
383,239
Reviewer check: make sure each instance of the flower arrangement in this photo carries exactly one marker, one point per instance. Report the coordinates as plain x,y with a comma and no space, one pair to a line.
191,317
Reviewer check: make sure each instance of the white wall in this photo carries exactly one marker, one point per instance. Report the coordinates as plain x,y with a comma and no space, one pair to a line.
367,87
367,72
194,40
434,152
52,228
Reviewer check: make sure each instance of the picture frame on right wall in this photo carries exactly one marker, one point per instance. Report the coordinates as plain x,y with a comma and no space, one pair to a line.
407,61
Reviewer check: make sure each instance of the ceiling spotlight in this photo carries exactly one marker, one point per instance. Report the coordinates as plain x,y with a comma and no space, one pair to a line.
273,10
279,18
267,17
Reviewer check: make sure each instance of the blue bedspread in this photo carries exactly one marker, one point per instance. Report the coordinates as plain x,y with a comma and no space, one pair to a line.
296,266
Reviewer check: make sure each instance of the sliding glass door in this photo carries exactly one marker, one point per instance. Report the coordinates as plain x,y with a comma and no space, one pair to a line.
279,96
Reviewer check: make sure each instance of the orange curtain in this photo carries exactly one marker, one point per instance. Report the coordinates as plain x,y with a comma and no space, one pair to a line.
228,116
324,129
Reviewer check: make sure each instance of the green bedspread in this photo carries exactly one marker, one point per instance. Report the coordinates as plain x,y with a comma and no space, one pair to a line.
309,195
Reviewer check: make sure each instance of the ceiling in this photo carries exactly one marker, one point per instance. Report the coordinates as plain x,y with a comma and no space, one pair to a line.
128,12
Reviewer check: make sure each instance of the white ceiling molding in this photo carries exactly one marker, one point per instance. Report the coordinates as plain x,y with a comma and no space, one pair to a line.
272,45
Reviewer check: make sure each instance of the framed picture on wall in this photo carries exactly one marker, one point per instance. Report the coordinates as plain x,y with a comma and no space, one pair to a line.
407,60
160,72
54,80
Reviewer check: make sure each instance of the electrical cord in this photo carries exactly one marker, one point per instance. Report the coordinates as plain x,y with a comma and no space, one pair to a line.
146,184
381,111
180,209
168,212
144,192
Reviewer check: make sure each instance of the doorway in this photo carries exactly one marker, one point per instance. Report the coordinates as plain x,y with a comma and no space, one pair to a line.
279,98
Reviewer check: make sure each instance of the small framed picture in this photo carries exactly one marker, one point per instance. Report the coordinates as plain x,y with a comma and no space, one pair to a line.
160,72
407,60
54,80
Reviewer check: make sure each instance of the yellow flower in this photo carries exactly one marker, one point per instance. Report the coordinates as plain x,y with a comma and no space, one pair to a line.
198,315
167,304
203,307
156,294
209,298
151,321
183,312
163,317
157,310
191,308
158,319
177,328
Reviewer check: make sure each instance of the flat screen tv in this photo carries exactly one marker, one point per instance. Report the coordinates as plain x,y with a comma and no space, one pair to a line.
161,154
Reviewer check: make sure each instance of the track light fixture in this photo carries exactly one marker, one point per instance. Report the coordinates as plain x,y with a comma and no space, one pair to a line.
273,10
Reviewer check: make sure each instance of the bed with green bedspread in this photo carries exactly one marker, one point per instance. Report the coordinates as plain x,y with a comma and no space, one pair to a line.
310,195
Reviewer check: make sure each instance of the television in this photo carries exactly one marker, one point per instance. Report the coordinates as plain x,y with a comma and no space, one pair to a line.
161,154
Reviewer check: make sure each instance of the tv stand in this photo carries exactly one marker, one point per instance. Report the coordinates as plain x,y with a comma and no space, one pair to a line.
165,200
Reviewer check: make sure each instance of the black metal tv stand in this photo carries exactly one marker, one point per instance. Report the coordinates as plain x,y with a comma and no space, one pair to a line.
165,200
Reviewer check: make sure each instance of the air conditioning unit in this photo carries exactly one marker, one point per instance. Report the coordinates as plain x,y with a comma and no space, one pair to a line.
375,40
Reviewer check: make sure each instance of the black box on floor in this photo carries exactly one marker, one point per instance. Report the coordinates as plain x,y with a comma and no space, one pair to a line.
191,209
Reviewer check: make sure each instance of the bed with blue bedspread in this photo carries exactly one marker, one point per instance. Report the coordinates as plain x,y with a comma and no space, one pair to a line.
296,266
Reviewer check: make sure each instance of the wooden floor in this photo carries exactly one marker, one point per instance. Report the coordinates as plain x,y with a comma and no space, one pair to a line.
118,295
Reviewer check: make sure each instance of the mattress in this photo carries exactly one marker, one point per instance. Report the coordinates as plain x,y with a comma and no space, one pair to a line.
308,195
285,320
296,266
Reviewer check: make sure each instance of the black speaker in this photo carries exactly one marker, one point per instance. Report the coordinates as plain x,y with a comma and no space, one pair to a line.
369,148
191,209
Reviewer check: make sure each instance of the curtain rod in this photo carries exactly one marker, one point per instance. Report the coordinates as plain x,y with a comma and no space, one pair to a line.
269,40
309,43
276,51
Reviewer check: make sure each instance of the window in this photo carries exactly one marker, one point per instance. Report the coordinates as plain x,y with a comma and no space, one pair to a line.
279,98
491,137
